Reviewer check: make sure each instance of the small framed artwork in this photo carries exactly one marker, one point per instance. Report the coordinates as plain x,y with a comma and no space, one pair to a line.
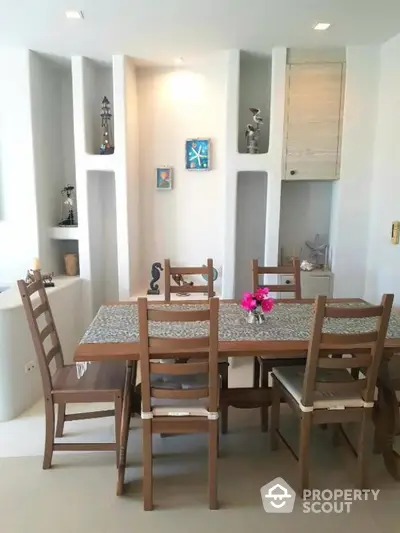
198,154
164,178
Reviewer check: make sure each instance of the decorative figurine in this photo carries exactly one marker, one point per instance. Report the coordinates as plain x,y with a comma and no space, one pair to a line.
156,269
107,142
180,280
318,251
47,278
252,133
67,207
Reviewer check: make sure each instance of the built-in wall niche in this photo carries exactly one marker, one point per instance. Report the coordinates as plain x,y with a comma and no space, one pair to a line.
103,252
255,92
60,249
251,207
97,83
305,213
53,145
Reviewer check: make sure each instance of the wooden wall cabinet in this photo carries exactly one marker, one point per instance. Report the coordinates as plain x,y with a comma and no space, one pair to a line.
313,118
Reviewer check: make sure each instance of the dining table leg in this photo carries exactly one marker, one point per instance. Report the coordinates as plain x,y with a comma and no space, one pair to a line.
126,416
385,418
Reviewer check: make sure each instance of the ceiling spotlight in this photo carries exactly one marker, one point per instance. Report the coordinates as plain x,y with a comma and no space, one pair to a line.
178,60
321,26
74,14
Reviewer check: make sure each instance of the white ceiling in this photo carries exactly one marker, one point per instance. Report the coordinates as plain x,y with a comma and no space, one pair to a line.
159,30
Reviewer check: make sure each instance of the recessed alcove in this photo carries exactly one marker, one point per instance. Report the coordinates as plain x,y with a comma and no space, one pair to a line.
97,83
254,91
305,212
251,210
103,251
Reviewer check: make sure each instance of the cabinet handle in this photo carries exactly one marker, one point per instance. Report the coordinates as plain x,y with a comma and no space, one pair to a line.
292,172
288,282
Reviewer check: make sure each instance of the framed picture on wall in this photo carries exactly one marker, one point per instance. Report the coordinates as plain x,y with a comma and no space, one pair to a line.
164,178
198,154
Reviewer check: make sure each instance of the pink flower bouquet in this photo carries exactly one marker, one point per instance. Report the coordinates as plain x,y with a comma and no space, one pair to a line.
258,303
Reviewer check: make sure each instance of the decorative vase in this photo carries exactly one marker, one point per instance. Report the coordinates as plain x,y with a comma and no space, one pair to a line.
71,264
256,316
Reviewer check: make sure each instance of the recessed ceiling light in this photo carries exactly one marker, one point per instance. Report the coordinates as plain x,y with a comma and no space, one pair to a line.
74,14
321,26
178,60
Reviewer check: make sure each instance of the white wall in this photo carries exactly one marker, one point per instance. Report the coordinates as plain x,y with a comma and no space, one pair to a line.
351,207
18,223
254,91
183,224
383,261
250,226
305,212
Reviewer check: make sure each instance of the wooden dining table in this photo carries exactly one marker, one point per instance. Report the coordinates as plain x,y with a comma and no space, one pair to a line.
114,335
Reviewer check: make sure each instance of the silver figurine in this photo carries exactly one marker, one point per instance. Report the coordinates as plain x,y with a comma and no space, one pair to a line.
252,133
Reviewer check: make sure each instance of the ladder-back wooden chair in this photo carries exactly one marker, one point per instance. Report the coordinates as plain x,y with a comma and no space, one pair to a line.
324,391
179,397
102,382
169,272
263,366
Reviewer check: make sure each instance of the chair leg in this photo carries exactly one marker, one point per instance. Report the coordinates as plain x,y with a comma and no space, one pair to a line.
147,466
275,414
60,419
362,455
264,385
256,373
212,463
49,438
224,369
304,467
124,427
118,422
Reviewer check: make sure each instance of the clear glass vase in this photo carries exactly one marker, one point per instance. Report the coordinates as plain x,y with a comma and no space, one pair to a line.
256,316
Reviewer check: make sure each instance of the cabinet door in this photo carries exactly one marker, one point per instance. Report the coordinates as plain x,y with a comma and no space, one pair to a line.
313,121
313,286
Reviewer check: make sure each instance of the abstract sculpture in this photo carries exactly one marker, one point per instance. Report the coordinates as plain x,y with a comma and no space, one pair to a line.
252,133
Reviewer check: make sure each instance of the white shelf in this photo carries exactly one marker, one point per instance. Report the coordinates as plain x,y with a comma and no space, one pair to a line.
105,163
252,162
64,233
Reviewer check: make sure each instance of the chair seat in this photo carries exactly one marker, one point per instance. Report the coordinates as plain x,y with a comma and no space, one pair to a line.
98,376
179,382
292,379
179,407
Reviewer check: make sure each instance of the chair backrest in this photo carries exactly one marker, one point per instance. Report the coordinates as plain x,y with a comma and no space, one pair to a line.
151,346
366,347
170,271
294,288
42,327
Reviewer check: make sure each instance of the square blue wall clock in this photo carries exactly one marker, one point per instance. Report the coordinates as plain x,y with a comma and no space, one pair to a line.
197,154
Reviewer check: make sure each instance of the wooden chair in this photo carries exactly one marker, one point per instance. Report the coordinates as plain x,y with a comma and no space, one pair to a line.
170,272
324,392
100,383
190,381
263,366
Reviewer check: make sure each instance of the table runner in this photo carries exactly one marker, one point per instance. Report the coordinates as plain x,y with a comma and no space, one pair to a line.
288,321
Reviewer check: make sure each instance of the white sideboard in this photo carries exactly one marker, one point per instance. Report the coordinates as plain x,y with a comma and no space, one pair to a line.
312,284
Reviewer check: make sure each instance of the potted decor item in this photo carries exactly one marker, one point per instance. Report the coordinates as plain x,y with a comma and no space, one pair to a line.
257,304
